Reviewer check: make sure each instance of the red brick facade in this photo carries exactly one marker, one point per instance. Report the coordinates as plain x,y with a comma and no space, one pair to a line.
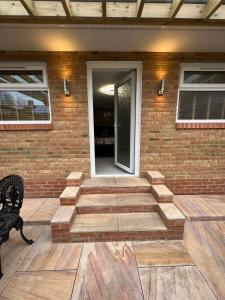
193,159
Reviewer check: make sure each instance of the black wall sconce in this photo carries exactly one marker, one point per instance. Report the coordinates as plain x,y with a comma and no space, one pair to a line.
161,87
65,87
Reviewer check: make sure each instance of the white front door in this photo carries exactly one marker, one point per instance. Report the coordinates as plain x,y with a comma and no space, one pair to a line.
124,124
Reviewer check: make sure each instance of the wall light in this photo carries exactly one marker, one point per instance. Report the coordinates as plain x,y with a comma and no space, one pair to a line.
161,87
65,88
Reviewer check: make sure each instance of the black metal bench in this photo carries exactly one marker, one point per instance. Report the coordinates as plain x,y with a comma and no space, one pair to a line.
11,200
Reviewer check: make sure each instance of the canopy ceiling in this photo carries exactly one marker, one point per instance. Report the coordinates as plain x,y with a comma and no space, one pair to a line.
153,12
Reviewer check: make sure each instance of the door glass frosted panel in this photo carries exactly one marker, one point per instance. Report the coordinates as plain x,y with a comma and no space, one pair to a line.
123,123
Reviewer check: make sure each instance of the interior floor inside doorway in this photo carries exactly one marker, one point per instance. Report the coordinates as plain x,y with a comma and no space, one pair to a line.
106,166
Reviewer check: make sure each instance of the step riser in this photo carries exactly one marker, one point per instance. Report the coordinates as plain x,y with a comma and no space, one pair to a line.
116,209
134,236
115,190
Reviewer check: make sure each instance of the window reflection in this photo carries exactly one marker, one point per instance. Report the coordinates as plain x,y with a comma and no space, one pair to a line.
21,77
24,105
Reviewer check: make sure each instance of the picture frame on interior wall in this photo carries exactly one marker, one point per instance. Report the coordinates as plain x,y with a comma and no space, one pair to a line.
200,87
40,85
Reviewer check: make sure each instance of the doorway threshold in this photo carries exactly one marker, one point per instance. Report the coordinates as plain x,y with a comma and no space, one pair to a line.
114,175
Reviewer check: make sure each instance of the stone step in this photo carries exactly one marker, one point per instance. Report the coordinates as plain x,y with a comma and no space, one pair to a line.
70,195
171,215
117,185
116,203
61,222
123,226
75,179
162,193
155,177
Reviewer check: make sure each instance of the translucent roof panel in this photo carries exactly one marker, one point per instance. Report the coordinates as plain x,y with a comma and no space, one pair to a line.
121,9
12,8
185,1
191,11
86,9
48,8
156,10
220,13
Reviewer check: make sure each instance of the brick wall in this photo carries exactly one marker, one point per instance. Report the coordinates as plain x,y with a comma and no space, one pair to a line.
193,159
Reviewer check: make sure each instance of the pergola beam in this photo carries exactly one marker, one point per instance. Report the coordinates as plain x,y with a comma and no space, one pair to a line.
140,6
212,7
29,6
104,8
110,21
176,6
66,7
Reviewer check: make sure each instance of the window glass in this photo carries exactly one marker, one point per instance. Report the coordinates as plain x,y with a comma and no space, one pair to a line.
24,93
204,77
201,105
24,106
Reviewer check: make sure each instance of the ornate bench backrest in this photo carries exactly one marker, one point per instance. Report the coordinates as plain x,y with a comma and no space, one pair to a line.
11,193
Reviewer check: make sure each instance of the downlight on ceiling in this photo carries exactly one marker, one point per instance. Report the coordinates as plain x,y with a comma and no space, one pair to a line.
107,89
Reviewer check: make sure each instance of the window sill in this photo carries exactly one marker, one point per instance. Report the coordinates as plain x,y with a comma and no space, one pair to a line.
200,125
15,127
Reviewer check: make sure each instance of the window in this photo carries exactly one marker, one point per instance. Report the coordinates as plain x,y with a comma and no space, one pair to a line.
24,95
201,95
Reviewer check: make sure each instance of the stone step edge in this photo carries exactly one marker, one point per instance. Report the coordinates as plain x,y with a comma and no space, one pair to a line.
161,193
75,179
155,177
170,222
115,209
70,195
61,222
113,189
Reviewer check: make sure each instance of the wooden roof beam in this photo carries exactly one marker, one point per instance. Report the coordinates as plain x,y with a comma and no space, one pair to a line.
104,8
140,6
211,8
66,7
176,6
29,6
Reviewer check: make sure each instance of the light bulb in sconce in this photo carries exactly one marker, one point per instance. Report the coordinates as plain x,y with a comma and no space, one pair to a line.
65,87
161,87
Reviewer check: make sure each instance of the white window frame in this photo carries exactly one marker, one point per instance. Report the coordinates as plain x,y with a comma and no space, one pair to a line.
26,86
199,87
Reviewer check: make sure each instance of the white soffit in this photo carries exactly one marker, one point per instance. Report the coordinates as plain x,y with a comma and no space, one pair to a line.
111,38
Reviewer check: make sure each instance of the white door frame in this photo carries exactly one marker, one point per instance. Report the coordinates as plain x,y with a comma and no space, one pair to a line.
137,65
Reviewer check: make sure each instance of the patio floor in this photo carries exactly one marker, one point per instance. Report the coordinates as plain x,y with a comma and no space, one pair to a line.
120,270
113,270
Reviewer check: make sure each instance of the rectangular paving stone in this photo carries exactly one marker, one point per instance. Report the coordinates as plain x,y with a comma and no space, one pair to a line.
140,222
161,253
94,223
